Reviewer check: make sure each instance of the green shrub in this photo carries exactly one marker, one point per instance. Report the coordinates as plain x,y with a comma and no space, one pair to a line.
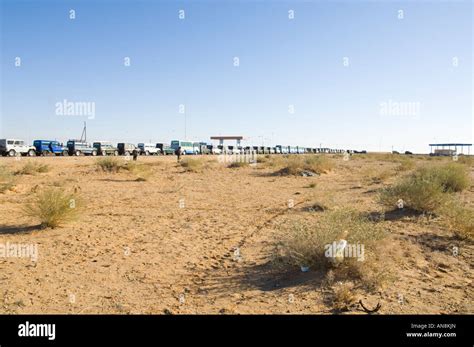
451,177
417,194
424,190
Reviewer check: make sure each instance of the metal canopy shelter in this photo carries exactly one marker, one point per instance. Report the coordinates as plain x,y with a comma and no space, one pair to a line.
223,138
450,145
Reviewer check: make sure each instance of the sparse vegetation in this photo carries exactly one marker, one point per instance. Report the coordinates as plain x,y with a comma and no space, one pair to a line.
451,177
109,164
303,243
389,157
237,164
377,176
32,168
113,165
295,165
416,193
466,160
141,171
7,180
405,164
460,219
424,189
317,207
259,208
343,296
191,165
53,207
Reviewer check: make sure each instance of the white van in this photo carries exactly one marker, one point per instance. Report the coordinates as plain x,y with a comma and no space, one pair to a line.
213,149
15,147
148,148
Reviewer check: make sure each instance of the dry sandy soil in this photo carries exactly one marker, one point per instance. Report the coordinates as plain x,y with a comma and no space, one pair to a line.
135,250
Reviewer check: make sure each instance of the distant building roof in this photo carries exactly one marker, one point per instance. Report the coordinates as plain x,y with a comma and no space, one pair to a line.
451,144
227,137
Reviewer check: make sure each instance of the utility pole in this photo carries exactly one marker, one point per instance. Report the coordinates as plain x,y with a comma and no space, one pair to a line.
84,133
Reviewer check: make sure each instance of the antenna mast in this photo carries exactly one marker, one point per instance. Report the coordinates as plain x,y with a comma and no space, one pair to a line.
84,133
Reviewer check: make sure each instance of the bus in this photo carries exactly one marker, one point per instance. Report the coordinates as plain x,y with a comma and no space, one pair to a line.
186,147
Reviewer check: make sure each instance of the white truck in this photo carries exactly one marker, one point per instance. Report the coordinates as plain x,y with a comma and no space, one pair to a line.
214,149
15,147
148,149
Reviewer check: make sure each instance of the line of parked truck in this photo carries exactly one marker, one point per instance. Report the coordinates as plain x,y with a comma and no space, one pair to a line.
16,147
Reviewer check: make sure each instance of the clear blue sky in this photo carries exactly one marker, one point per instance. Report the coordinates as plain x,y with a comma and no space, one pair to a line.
283,62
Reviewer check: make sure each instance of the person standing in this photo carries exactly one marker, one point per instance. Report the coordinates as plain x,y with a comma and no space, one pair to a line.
178,153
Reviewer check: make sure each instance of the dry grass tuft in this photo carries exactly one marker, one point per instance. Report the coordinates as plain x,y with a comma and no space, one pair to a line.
405,164
424,189
295,165
343,296
237,164
31,168
192,165
113,165
466,160
460,219
7,180
377,176
109,164
53,207
141,171
302,243
452,177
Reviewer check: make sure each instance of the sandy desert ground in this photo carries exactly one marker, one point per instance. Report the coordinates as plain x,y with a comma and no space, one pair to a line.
168,244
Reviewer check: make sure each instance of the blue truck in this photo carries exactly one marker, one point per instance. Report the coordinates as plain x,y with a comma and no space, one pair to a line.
49,147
